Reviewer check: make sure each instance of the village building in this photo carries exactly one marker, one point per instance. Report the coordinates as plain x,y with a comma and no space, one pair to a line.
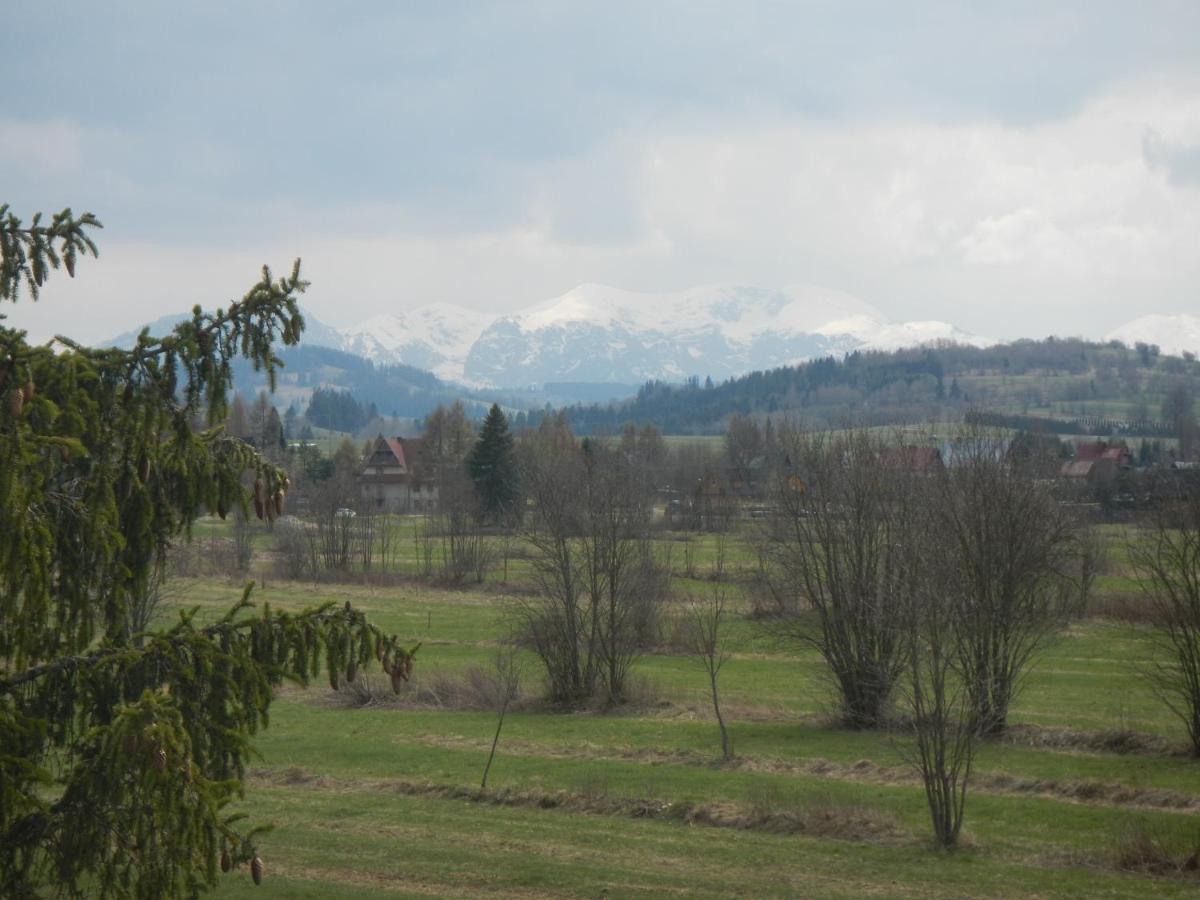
397,478
1097,462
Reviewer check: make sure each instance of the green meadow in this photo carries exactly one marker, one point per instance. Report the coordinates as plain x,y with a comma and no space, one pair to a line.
373,794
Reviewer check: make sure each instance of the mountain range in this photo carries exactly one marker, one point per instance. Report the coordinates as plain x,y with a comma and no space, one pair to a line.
596,334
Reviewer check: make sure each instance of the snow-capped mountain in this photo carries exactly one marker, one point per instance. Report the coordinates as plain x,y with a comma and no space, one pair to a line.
1173,334
437,337
596,333
602,334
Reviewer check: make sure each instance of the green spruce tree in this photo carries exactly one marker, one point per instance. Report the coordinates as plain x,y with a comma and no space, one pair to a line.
119,752
492,467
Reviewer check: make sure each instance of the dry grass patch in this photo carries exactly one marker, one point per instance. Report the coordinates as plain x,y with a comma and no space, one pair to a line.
1160,848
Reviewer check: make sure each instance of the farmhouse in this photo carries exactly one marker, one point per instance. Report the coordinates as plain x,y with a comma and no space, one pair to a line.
1097,462
397,478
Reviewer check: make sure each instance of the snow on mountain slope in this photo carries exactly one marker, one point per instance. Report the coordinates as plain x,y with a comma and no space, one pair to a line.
437,337
1173,334
598,333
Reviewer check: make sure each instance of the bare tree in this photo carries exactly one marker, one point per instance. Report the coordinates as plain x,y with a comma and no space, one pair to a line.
465,551
1086,563
835,563
941,708
704,621
1013,542
508,672
599,584
1166,555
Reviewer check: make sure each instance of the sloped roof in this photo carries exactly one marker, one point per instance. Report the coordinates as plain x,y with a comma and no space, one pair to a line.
1100,450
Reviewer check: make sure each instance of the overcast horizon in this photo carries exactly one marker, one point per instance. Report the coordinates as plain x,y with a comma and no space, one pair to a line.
1015,173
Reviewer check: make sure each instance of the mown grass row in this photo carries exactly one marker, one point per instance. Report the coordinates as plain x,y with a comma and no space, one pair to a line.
380,799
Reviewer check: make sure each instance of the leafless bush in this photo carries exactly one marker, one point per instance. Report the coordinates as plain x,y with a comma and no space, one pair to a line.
1086,562
600,584
293,557
704,636
1160,848
1007,542
1167,557
365,690
838,547
940,703
507,671
1124,606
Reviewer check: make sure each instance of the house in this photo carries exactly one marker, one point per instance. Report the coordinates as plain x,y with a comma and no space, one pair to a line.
397,478
1097,462
1095,450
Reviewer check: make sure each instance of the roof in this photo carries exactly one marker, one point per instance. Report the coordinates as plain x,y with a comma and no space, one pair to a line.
1100,450
396,445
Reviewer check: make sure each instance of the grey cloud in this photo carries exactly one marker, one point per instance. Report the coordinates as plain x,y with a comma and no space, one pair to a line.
1180,162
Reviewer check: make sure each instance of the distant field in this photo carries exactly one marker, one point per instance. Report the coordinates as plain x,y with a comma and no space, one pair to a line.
381,799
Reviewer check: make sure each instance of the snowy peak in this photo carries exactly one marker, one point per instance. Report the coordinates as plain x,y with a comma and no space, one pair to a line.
739,310
1173,334
436,337
599,333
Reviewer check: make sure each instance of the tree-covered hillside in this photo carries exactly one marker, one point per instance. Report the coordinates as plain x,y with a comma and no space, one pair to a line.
1066,385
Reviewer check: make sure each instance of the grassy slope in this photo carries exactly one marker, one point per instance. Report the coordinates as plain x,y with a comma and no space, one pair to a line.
339,783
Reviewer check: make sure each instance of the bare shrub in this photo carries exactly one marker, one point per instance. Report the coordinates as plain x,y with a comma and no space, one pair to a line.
1007,542
507,671
600,585
465,552
1166,555
940,702
1124,606
1158,848
293,557
838,547
365,690
705,638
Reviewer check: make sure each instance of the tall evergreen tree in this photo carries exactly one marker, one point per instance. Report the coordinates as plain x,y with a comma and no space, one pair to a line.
119,752
492,466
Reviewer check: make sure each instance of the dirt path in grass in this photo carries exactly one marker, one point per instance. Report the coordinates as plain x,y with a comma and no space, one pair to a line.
1089,792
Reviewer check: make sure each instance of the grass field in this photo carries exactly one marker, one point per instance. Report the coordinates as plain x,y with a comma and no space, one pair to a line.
383,799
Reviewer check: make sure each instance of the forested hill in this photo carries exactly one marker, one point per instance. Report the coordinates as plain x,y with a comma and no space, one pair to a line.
1067,385
396,389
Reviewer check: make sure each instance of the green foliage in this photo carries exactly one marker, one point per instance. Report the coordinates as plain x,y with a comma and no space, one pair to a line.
492,465
118,751
28,254
338,410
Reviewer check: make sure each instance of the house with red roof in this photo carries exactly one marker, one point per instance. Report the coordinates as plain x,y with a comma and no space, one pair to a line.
397,477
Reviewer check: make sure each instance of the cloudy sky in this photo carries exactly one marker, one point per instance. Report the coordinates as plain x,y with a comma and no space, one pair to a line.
1023,169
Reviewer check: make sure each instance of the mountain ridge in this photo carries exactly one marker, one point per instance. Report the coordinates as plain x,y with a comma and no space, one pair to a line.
600,333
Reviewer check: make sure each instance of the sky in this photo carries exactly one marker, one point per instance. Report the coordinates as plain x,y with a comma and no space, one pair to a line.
1017,169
